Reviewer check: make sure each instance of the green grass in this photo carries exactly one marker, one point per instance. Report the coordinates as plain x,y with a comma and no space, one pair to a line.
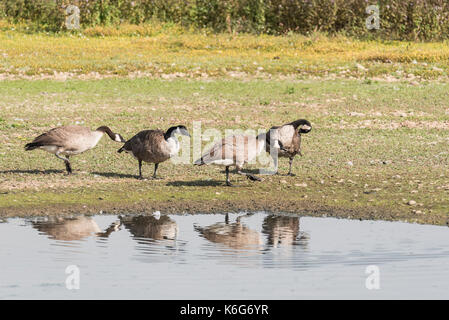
394,134
194,55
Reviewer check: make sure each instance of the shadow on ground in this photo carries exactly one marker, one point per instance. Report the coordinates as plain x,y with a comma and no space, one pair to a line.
35,171
196,183
115,175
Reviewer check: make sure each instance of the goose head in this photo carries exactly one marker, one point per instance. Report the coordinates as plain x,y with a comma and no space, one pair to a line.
114,136
172,131
302,125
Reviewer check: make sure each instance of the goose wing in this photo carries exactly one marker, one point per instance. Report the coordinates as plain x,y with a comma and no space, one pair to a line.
147,142
60,136
283,135
236,149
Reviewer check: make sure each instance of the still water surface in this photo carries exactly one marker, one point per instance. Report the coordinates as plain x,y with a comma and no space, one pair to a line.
213,256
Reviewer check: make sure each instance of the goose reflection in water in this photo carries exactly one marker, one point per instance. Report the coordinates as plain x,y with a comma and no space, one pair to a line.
283,234
150,227
235,235
72,229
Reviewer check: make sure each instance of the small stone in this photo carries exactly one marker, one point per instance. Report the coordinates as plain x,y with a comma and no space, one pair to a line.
301,184
412,203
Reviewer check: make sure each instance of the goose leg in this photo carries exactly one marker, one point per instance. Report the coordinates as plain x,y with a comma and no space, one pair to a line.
290,168
276,164
228,182
140,170
155,171
68,167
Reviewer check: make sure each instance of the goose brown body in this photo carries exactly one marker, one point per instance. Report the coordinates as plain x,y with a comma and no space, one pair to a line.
286,139
148,146
154,146
70,140
236,150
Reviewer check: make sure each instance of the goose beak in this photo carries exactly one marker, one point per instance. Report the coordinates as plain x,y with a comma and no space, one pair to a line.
185,133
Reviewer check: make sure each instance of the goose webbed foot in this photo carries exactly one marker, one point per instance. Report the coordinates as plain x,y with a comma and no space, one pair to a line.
253,177
229,184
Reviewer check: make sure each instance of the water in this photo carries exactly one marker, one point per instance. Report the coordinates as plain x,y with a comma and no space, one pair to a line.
256,256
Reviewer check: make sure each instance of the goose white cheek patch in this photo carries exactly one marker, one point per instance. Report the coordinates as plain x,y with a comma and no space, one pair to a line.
306,128
117,138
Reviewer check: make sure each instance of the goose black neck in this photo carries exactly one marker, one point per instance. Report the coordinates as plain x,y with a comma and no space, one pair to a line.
262,136
106,129
300,122
169,132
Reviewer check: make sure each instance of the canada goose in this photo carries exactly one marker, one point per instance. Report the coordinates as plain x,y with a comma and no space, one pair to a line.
234,151
281,230
154,146
150,227
70,140
70,229
287,139
234,235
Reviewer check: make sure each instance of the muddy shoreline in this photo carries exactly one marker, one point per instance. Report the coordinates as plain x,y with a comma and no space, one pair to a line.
223,206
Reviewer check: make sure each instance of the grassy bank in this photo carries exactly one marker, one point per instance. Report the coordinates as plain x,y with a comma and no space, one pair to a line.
192,55
377,150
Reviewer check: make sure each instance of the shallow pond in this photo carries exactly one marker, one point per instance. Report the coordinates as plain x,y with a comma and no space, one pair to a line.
213,256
